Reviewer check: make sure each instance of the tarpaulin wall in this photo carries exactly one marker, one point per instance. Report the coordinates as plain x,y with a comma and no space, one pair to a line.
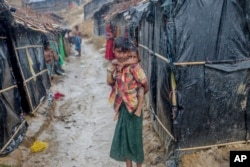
28,45
12,127
205,44
215,32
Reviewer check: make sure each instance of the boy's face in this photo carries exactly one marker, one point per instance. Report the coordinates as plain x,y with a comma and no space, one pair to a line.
119,54
133,55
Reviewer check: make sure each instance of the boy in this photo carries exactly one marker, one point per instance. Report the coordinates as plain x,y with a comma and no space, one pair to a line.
133,59
125,83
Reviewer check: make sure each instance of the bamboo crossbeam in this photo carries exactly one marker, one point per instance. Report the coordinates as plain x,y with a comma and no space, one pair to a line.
164,128
156,54
40,73
4,90
3,37
188,63
210,146
30,46
14,135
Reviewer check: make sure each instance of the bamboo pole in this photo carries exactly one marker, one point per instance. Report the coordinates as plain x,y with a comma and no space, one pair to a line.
40,73
3,37
30,46
210,146
11,87
14,135
188,63
37,108
156,54
164,128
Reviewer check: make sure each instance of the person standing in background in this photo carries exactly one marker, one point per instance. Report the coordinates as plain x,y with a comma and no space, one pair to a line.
78,40
110,35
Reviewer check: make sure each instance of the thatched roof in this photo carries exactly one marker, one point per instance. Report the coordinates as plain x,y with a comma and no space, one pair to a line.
31,19
121,7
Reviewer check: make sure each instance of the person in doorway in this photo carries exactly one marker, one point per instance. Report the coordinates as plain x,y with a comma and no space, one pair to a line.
78,40
125,83
51,58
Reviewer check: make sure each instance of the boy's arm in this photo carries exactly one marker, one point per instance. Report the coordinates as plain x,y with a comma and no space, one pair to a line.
140,96
127,62
110,72
140,77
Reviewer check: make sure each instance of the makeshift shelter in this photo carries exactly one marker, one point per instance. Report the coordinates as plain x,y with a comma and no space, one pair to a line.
196,57
47,5
93,6
24,80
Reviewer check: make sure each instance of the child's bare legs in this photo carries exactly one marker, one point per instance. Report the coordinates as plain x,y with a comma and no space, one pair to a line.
128,163
140,96
138,165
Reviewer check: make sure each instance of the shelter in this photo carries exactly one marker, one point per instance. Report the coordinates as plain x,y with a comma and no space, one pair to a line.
47,5
24,80
196,57
93,6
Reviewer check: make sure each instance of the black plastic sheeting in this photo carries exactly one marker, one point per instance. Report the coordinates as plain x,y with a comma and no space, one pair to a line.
215,32
212,97
10,102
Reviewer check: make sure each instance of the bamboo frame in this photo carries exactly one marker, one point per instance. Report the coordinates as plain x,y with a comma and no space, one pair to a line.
6,89
14,135
210,146
25,84
164,128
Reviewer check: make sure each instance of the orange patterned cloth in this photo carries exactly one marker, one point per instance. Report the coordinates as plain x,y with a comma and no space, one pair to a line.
128,80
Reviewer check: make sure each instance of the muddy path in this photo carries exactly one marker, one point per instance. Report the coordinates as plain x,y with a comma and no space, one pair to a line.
79,126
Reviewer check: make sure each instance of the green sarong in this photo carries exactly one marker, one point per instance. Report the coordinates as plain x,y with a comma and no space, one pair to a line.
127,141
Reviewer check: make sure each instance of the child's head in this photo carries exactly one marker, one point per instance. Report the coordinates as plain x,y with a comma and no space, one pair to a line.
121,47
134,53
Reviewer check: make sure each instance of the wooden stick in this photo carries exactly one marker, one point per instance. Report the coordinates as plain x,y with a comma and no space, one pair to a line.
30,46
40,73
210,146
3,37
164,128
11,87
14,135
